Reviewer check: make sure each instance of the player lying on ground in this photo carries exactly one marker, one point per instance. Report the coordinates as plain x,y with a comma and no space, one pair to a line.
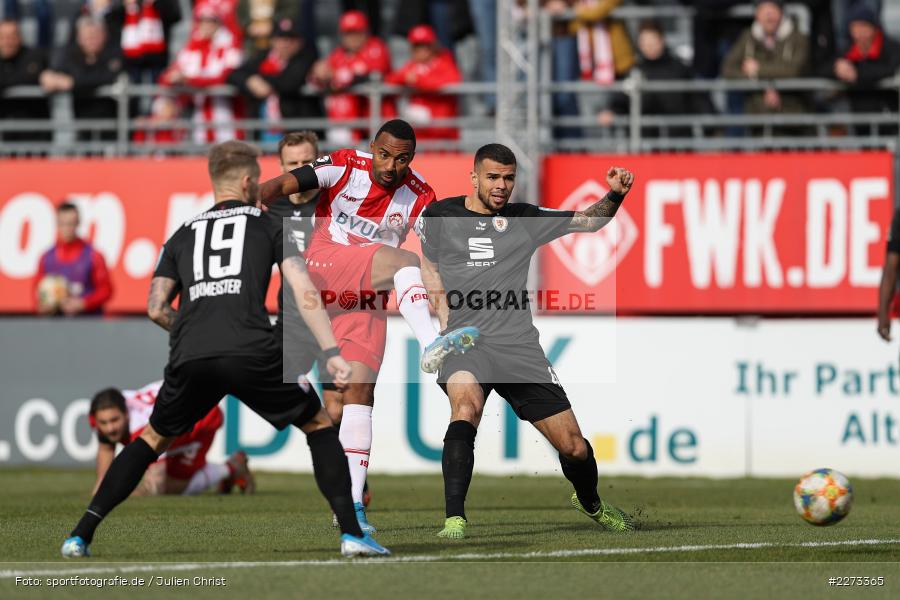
297,211
509,358
364,212
221,342
119,417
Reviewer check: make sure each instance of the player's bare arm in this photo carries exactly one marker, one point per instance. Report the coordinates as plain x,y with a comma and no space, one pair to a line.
105,455
159,302
886,293
299,180
309,301
596,216
431,277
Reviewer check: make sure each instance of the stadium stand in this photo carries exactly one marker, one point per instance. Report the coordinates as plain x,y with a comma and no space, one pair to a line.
810,104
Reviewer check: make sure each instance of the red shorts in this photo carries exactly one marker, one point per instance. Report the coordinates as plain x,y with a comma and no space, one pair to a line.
343,275
187,454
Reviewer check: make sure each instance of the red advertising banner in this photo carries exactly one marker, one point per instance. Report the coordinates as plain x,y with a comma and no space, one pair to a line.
798,233
754,233
128,208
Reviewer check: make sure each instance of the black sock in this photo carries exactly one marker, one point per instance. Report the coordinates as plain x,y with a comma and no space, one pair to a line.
123,476
333,476
457,463
583,475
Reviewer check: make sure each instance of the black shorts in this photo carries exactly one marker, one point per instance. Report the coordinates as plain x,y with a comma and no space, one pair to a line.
191,389
520,373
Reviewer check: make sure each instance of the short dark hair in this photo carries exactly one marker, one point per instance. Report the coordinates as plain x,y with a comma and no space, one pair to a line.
66,205
651,25
108,398
495,152
227,157
295,138
400,129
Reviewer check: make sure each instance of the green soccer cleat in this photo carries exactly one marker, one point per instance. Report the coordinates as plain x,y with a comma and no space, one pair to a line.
608,516
454,529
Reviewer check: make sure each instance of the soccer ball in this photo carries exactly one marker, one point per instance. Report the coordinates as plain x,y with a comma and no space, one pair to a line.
52,290
823,497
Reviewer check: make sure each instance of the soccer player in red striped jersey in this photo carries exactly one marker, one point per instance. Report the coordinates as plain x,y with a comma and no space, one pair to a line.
368,203
119,417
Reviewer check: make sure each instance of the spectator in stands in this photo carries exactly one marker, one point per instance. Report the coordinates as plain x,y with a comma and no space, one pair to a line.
144,35
430,68
210,55
872,56
359,57
228,14
840,10
159,127
372,10
20,66
772,48
656,62
72,278
604,47
258,18
592,46
92,63
272,80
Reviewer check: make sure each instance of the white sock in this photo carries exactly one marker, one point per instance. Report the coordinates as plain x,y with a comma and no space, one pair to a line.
412,300
356,438
205,478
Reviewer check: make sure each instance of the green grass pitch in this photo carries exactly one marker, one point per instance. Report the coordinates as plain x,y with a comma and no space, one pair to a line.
699,538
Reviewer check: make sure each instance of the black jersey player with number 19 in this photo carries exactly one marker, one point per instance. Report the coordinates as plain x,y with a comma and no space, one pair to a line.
477,249
221,342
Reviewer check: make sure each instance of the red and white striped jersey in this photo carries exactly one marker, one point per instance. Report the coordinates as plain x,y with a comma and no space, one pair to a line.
354,210
139,406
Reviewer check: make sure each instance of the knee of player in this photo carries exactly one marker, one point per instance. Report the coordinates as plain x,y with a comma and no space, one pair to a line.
405,258
468,411
573,448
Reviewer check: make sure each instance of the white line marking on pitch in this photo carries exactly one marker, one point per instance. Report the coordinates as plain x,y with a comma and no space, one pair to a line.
131,568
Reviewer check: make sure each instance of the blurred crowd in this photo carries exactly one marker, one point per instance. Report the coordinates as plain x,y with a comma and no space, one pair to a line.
270,51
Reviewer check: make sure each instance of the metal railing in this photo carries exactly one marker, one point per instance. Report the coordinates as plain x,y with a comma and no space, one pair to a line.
625,133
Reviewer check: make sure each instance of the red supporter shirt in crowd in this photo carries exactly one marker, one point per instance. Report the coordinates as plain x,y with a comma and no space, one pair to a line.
205,63
427,78
346,68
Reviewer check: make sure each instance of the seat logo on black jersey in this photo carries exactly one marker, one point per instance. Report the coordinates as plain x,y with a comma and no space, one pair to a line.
481,249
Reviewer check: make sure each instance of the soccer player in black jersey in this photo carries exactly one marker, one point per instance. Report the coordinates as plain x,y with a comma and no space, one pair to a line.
477,250
221,342
297,213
